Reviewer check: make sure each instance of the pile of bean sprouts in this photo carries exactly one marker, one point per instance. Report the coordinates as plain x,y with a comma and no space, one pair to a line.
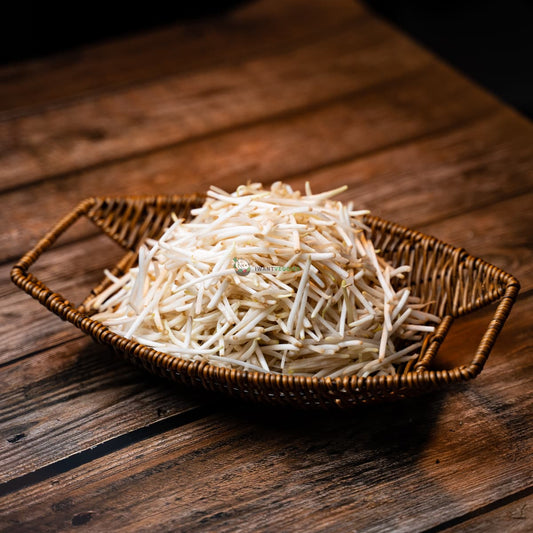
312,296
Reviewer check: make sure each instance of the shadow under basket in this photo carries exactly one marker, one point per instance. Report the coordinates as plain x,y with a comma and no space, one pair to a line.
455,283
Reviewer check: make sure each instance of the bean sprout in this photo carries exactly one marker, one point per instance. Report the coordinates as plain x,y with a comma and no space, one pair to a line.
270,281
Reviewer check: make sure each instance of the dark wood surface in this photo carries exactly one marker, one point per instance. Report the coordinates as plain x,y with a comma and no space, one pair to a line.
320,91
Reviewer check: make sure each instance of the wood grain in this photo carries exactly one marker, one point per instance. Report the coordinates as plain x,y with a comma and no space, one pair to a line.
75,396
252,469
494,233
291,90
166,112
251,31
71,270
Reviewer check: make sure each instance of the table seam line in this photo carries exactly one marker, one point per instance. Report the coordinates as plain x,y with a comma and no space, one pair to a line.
480,511
105,448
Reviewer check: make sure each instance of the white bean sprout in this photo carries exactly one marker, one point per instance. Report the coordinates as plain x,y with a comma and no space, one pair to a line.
270,281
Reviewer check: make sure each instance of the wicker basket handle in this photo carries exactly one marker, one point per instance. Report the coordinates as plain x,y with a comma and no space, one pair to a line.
512,287
471,370
53,301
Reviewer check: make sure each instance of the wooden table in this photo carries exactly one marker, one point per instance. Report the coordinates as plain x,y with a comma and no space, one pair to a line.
295,91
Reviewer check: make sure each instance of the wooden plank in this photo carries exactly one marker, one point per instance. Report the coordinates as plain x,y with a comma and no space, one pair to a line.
73,397
69,270
63,351
250,31
431,178
516,516
275,150
251,469
142,118
499,233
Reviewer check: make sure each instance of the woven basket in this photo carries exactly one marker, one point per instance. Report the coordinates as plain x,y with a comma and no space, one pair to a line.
456,282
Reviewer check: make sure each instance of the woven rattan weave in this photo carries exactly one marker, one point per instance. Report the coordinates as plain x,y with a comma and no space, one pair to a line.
455,282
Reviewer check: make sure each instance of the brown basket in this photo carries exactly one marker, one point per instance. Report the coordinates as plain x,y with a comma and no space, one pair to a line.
456,282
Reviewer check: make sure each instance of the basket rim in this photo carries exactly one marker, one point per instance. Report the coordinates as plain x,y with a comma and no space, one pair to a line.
207,373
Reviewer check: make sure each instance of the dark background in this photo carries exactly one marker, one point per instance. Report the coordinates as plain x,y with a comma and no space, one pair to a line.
489,41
